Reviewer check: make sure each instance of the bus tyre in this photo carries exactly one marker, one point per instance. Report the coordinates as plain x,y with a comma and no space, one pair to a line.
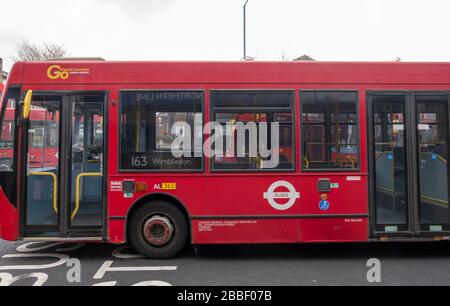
158,230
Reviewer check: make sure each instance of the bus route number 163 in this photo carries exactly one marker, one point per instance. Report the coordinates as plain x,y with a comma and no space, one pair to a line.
139,161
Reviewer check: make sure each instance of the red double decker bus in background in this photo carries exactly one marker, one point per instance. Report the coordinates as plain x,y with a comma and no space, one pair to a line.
87,153
43,150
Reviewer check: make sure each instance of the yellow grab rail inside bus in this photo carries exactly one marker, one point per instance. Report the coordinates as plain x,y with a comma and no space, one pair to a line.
306,162
77,191
55,185
27,104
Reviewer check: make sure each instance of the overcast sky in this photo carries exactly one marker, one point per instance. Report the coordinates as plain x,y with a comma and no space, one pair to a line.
413,30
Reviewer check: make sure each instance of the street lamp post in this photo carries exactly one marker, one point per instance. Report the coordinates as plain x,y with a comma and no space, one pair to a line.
245,30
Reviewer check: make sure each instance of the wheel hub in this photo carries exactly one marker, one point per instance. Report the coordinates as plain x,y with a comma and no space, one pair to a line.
158,230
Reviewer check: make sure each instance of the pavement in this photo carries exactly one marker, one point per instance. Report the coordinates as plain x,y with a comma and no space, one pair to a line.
70,264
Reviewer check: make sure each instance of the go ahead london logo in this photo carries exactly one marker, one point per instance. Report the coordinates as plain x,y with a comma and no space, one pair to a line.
56,72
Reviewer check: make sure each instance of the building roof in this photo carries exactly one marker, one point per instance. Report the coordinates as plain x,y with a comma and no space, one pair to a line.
304,57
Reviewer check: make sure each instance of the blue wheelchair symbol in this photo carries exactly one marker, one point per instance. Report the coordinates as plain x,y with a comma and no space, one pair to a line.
324,205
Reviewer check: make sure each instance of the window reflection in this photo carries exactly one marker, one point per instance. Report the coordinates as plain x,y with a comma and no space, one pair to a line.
152,120
330,130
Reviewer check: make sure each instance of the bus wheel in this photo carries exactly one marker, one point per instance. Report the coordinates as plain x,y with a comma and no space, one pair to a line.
158,230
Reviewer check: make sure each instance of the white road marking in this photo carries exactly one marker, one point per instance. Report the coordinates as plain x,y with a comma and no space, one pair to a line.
106,267
7,279
152,283
62,259
105,284
28,247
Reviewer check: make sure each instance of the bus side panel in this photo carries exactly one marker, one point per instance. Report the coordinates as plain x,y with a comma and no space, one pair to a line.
116,231
344,216
217,200
334,230
347,196
186,189
233,209
120,204
245,231
8,219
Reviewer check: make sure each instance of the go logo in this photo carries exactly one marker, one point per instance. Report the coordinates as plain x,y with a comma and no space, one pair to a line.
55,72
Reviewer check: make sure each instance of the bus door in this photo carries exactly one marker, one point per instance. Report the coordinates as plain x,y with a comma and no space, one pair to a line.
63,166
409,151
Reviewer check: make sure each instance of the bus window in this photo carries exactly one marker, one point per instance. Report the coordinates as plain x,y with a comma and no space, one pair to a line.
7,129
87,161
329,130
42,162
7,134
254,111
164,123
43,134
432,138
151,121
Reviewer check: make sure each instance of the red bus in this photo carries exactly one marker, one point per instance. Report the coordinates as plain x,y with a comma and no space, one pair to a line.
42,139
363,153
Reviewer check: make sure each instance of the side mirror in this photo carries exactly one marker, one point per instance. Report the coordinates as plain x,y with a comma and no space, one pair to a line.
27,104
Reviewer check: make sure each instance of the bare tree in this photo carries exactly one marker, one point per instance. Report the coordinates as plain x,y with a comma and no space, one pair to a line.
26,51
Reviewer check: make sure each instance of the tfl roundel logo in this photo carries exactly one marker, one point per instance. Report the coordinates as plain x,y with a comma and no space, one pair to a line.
281,195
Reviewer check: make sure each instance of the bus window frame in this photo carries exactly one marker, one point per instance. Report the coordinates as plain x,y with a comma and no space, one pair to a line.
13,174
121,170
17,108
213,110
358,131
